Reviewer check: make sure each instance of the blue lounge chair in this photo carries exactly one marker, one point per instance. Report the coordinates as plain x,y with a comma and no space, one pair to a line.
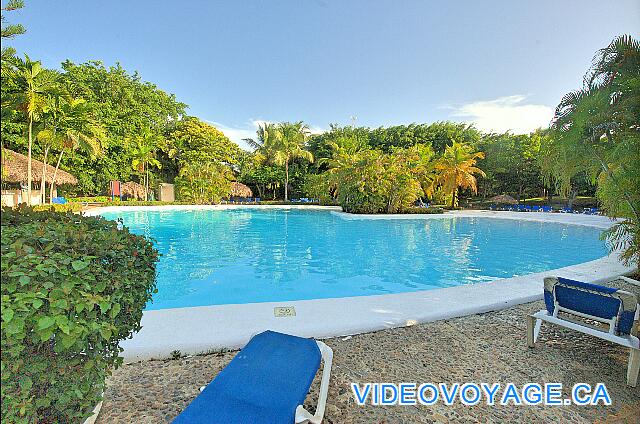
546,209
59,201
266,382
616,308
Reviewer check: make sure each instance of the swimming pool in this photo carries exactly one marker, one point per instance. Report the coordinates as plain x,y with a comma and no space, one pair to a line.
247,255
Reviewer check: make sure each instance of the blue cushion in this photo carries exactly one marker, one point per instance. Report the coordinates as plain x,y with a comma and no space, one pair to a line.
586,298
264,383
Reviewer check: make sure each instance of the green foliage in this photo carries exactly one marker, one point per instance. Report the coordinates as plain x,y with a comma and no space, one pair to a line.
511,165
11,30
73,287
67,207
427,211
438,135
280,144
192,140
595,132
89,199
204,183
370,181
456,169
203,155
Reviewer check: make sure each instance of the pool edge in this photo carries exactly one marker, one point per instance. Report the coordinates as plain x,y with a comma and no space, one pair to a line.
195,330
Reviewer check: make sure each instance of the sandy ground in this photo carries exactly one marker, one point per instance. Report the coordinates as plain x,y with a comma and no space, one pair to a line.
488,348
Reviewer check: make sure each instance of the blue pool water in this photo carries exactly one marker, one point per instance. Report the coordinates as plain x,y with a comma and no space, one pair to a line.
212,257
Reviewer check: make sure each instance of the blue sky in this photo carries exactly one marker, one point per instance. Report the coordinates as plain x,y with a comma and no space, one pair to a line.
500,64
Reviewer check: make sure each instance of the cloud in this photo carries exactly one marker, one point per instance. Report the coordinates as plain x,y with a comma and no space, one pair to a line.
503,114
237,134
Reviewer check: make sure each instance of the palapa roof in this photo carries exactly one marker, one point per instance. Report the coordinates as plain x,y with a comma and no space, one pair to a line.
503,198
240,190
133,189
14,170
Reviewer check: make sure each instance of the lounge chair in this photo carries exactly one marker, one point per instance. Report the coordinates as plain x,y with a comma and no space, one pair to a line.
266,382
546,209
616,308
59,201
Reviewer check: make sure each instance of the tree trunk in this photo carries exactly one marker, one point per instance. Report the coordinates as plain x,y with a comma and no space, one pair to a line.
53,179
286,180
43,183
572,197
146,182
453,197
29,176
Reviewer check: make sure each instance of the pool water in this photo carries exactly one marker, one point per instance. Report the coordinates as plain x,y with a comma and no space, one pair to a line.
213,257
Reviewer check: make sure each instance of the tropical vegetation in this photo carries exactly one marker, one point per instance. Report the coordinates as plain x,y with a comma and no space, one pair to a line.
595,132
73,287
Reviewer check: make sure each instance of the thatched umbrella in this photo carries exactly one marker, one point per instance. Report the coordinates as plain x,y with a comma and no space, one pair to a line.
240,190
503,198
14,169
133,189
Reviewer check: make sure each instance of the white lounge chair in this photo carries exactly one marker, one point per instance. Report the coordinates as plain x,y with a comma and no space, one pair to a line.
616,308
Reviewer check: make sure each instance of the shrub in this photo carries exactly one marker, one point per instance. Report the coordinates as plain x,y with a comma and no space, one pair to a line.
90,199
370,181
73,287
67,207
429,210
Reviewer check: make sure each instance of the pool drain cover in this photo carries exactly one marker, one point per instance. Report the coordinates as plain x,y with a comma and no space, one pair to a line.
284,311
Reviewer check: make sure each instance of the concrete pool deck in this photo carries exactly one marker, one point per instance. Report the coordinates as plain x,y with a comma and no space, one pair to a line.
200,329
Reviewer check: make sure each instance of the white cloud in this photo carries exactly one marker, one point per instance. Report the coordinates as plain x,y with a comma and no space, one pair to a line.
505,114
237,134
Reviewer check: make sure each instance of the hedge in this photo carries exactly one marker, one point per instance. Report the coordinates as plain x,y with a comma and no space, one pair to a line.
73,287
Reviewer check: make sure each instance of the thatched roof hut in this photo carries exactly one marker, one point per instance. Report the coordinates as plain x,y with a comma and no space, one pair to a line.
133,189
14,170
503,198
240,190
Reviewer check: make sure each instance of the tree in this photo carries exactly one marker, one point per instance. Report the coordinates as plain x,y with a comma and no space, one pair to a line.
595,131
34,83
371,181
289,144
10,30
204,183
279,144
72,127
456,169
192,140
144,156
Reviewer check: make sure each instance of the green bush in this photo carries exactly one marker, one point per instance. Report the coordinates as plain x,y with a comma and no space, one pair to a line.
429,210
90,199
73,287
67,207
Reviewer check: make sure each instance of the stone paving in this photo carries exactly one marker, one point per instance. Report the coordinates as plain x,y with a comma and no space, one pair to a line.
487,347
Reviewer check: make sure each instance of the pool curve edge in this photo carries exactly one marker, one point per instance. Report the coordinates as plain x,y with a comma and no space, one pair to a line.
200,329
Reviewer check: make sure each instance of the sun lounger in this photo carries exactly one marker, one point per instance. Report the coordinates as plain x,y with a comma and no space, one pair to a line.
59,201
266,382
614,308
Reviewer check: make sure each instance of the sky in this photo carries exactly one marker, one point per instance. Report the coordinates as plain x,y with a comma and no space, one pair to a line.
502,65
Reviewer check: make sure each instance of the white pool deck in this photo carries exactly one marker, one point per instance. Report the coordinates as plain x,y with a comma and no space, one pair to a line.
204,328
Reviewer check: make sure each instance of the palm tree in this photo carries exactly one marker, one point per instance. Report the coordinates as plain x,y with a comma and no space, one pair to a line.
595,131
280,144
72,128
290,143
35,84
145,155
456,169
